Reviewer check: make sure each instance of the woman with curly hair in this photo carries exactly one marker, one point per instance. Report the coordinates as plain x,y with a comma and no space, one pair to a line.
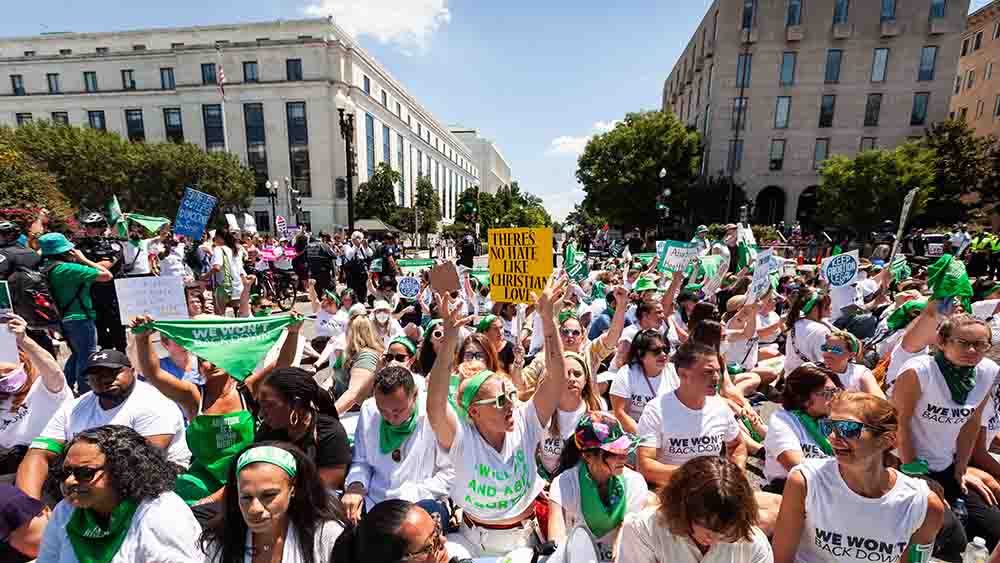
709,506
277,509
118,503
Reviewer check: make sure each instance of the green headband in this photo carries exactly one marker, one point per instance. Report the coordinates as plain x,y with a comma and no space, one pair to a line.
430,327
405,343
485,322
268,454
332,297
566,315
471,389
810,303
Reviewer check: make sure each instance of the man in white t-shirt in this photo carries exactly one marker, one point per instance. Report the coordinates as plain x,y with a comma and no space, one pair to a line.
692,421
228,275
396,455
116,398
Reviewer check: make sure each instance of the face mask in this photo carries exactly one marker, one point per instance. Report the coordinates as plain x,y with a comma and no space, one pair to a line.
382,317
14,380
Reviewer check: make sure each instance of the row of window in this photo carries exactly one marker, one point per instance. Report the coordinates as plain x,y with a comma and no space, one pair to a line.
963,112
841,11
834,62
440,146
970,78
209,75
974,42
142,47
776,152
827,109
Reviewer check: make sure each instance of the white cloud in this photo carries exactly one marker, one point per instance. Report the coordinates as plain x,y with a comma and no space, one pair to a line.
560,204
408,24
574,145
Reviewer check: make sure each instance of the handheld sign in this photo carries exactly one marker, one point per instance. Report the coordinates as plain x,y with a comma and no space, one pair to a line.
444,278
162,297
281,225
761,276
520,263
907,204
675,256
232,223
842,269
8,346
249,225
192,215
408,287
6,305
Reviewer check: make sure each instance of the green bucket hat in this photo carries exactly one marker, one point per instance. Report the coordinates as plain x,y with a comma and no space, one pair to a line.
644,284
52,244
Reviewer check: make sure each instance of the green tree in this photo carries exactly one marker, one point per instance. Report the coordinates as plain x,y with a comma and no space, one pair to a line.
376,197
859,193
963,167
704,201
428,206
511,206
583,216
26,188
620,169
467,205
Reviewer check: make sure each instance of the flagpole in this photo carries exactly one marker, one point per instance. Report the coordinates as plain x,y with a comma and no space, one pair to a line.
221,79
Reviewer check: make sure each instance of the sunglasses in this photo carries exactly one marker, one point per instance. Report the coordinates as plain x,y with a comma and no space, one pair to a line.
434,544
472,355
570,332
827,393
501,401
831,349
980,346
845,429
82,473
659,350
401,358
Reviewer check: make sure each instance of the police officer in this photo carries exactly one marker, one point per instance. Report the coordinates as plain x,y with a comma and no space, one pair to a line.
979,255
98,247
995,255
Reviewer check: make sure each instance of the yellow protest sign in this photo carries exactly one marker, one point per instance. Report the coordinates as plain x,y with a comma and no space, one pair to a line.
520,263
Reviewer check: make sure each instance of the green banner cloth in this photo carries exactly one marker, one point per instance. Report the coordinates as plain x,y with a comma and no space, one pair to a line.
114,210
899,268
482,275
645,257
414,266
234,345
947,278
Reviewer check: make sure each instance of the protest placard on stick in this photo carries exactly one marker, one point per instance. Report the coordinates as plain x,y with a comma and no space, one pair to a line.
520,263
161,297
193,213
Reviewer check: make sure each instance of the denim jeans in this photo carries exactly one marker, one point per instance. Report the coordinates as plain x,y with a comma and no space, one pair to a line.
81,335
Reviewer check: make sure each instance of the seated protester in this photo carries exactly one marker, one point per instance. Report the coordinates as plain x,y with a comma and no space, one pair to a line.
741,342
393,530
768,327
347,299
940,400
495,439
276,509
364,349
840,352
690,421
402,352
806,330
22,523
577,398
647,375
395,451
678,320
31,391
511,357
474,348
648,316
917,340
117,398
851,507
735,384
331,318
118,505
707,514
907,307
594,489
221,422
571,332
178,362
793,432
386,327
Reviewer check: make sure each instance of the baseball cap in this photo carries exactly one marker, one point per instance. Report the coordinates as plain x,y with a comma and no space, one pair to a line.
108,358
602,431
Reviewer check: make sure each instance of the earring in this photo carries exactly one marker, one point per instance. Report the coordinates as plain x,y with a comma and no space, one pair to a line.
293,418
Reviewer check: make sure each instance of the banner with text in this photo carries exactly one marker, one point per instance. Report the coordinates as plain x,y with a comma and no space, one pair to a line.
193,214
675,255
161,297
761,276
520,263
842,269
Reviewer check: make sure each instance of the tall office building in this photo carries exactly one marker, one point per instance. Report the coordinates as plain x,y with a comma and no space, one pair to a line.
283,83
976,98
493,167
777,86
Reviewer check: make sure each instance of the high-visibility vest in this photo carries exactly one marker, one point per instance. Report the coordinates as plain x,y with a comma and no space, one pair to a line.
980,243
996,244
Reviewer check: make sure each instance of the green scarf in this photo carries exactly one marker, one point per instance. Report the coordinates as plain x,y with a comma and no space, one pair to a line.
947,278
390,437
91,542
812,428
960,379
601,518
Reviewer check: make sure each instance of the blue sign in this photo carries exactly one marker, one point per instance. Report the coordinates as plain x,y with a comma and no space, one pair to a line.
842,269
192,216
409,287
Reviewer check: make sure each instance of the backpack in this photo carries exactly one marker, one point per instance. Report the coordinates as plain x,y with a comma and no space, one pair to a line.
32,296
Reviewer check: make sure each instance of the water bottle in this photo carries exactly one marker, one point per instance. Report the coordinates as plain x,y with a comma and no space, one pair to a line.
975,551
961,512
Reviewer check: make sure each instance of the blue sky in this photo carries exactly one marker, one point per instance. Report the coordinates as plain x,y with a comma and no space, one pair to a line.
538,77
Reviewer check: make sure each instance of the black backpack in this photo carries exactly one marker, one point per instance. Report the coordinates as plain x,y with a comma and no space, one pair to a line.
32,297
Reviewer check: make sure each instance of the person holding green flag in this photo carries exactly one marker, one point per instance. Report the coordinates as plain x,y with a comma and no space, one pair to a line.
119,505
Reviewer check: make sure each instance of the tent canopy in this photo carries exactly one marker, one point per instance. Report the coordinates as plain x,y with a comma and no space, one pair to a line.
374,226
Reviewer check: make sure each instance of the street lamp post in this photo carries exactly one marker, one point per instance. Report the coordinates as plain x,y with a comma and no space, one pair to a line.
272,194
345,107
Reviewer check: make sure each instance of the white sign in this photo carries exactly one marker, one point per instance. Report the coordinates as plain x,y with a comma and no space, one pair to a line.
162,297
408,287
675,256
249,225
234,225
280,225
842,269
907,203
761,276
8,346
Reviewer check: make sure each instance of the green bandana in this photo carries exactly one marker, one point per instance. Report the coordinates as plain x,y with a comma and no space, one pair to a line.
469,393
391,437
808,307
234,345
405,343
947,278
91,542
269,454
960,380
812,428
485,323
566,315
601,518
901,316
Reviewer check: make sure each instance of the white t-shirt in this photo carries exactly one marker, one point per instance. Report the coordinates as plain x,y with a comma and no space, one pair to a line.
491,485
765,320
422,472
851,378
330,325
897,360
809,337
136,257
937,418
843,527
20,427
631,383
173,263
565,491
551,447
786,433
742,350
163,530
146,411
681,434
644,539
221,256
991,416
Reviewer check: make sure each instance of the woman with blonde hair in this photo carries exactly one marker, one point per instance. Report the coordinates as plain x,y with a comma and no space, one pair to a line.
841,354
578,397
363,352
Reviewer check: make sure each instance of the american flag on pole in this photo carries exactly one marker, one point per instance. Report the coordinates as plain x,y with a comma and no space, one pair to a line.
221,80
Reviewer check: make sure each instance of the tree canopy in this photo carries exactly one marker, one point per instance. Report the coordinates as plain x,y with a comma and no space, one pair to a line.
377,198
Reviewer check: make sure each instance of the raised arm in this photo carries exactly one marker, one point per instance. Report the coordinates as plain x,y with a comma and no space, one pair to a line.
443,419
610,338
546,398
47,366
923,331
286,357
184,393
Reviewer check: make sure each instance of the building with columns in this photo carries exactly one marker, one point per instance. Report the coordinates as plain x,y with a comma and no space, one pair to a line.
493,167
777,86
283,83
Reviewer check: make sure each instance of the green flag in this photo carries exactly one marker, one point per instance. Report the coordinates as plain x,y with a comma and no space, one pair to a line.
899,268
151,224
947,278
414,266
114,210
578,271
234,345
482,275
